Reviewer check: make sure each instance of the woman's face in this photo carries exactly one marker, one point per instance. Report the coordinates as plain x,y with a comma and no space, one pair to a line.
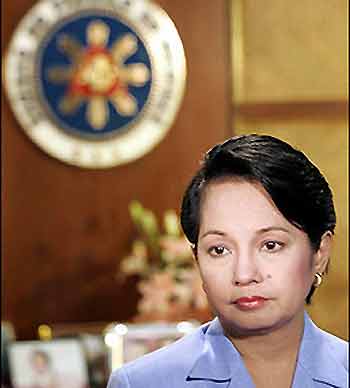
40,363
256,267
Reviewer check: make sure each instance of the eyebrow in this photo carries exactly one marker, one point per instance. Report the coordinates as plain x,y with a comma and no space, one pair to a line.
260,231
216,232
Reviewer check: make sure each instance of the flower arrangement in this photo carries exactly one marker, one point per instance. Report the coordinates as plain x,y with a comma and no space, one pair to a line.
163,260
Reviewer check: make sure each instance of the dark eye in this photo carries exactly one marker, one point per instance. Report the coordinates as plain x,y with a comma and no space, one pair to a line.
218,250
272,246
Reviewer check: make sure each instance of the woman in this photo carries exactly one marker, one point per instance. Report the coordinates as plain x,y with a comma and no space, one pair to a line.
260,218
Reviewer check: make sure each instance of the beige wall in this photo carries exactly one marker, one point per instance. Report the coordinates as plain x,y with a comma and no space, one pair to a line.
289,68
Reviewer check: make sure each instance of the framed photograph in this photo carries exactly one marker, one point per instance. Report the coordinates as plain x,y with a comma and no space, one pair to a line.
97,359
90,335
126,342
48,364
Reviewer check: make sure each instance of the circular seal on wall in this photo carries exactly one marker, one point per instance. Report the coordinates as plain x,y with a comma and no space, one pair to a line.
95,83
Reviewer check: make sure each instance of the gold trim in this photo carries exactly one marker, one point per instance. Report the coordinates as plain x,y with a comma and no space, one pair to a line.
44,332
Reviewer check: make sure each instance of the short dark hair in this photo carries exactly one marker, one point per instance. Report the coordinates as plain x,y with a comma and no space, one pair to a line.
294,183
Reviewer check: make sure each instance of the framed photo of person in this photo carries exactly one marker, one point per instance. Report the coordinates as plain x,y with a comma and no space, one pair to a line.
48,364
126,342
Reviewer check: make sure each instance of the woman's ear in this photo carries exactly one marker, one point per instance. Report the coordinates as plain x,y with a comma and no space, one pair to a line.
321,257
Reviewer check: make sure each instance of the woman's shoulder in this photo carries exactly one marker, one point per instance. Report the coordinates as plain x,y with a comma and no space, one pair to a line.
319,337
339,348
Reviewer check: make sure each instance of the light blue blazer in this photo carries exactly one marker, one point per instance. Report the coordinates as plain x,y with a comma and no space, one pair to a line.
207,359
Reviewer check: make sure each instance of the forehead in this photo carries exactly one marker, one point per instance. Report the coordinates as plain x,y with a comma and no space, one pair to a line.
236,199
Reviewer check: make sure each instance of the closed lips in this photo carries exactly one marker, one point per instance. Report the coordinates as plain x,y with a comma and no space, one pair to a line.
249,299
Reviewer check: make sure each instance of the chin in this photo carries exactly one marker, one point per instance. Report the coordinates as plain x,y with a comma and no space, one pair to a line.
244,328
250,322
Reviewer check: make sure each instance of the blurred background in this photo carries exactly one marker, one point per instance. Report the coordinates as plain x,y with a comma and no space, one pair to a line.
272,67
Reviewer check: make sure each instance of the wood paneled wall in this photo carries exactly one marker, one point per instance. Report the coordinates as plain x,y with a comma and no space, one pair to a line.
289,69
65,228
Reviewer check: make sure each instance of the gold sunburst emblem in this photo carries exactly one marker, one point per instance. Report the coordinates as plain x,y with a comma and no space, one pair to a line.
98,75
95,84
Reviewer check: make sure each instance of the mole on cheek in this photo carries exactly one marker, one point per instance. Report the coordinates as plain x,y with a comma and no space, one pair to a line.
269,276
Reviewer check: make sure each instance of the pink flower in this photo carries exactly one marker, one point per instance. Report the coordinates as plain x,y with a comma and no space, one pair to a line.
156,292
136,262
191,278
175,248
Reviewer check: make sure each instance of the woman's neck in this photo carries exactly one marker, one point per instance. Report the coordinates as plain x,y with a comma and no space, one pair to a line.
275,345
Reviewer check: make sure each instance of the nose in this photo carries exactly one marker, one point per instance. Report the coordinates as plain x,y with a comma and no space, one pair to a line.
246,270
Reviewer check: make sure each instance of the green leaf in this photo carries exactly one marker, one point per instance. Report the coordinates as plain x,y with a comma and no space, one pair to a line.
171,223
136,211
150,224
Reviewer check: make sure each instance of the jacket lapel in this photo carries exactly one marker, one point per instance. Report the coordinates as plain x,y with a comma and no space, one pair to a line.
219,364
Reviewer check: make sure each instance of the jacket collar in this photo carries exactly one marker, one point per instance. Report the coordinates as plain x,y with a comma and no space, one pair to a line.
219,361
317,360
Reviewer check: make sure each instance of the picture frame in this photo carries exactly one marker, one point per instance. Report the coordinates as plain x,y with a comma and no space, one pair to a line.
57,363
129,341
96,353
90,335
8,335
